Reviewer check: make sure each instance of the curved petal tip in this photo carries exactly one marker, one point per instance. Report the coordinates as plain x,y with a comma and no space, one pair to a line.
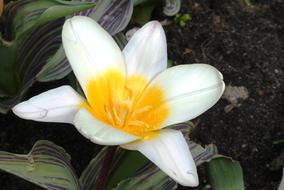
146,52
170,152
25,110
190,180
56,105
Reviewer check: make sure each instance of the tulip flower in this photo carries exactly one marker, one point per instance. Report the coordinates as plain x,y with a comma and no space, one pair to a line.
130,96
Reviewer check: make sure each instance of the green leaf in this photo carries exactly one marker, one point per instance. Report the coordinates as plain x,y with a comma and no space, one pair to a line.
150,177
143,13
149,174
182,19
134,170
281,186
8,84
112,15
131,169
202,155
126,165
225,174
32,14
137,2
132,161
47,165
199,153
62,9
120,40
37,54
24,50
90,176
56,67
34,52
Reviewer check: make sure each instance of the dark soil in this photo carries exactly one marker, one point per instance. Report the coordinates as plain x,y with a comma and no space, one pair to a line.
246,43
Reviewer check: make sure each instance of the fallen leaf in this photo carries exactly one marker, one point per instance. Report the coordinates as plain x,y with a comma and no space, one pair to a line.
1,7
187,51
234,95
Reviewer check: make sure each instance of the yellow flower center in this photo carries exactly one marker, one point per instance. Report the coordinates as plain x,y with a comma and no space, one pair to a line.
125,104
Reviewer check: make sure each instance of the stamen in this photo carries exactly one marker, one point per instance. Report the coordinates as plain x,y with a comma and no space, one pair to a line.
143,110
115,111
139,124
123,104
129,92
108,114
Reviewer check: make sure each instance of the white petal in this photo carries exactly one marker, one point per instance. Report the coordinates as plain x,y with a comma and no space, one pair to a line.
90,49
98,132
146,52
189,90
56,105
170,152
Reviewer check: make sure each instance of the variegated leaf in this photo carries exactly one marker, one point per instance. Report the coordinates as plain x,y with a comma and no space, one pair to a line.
47,165
90,175
172,7
112,15
36,53
144,175
281,185
149,177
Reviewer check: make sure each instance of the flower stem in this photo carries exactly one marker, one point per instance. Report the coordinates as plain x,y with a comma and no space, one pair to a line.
105,168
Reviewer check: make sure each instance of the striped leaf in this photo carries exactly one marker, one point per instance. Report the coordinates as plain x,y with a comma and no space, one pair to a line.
126,164
56,67
90,175
148,178
112,15
27,42
130,169
138,2
31,14
134,170
172,7
36,54
47,165
281,185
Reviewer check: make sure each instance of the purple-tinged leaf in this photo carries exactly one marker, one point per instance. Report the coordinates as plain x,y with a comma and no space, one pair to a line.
112,15
47,165
149,177
172,7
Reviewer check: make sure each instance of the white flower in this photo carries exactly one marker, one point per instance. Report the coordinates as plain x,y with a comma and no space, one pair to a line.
130,96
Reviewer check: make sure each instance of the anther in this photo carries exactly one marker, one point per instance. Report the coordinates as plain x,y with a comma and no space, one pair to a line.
142,110
139,124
